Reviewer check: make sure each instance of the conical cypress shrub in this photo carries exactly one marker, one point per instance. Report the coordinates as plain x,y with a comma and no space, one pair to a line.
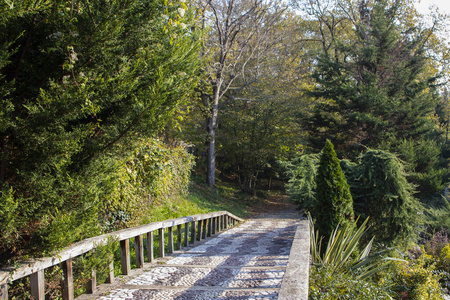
334,201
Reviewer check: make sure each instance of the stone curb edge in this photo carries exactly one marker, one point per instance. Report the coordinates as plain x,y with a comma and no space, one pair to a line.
295,283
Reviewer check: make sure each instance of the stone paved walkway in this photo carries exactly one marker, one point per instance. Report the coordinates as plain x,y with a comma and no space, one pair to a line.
245,262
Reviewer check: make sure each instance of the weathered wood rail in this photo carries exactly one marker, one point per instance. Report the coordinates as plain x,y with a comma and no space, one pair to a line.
196,226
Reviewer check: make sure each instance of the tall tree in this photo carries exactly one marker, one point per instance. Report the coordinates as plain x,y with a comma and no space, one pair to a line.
377,91
238,35
257,124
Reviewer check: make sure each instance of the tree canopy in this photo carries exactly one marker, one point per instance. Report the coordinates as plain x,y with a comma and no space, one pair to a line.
82,83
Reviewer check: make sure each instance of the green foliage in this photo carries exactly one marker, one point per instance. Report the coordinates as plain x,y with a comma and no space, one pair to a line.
250,140
416,280
334,201
424,164
97,260
444,259
380,190
344,252
84,85
301,186
10,222
325,284
384,97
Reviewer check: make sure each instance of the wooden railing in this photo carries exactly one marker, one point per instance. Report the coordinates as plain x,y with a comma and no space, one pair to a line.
196,226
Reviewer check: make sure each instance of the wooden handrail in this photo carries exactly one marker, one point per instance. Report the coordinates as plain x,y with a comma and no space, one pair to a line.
35,267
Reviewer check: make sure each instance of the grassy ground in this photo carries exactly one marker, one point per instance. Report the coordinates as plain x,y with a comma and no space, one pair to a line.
226,196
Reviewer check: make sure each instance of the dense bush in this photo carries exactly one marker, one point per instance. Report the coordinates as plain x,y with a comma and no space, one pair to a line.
415,280
85,86
344,271
381,190
119,190
324,284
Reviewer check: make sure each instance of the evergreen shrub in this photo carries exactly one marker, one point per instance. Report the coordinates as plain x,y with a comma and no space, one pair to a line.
334,201
381,190
301,186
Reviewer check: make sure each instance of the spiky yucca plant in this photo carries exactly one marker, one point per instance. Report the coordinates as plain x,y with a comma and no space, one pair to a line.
344,242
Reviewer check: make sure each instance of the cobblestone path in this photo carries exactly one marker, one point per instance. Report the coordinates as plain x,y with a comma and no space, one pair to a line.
245,262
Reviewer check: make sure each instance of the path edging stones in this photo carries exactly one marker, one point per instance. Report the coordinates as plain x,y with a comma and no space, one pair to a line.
295,284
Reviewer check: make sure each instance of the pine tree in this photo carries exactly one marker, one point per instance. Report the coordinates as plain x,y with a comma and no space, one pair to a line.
377,89
334,201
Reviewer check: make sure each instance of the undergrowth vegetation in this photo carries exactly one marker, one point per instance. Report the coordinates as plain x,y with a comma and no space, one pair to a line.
397,252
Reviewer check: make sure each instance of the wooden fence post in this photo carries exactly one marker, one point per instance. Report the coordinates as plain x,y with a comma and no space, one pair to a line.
213,232
199,231
125,257
110,277
170,240
179,236
204,228
67,286
37,285
186,234
92,283
4,291
150,246
209,227
161,242
139,250
193,232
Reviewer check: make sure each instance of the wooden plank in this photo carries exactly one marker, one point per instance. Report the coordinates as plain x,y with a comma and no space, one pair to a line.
91,286
161,242
170,240
179,237
37,285
186,234
67,284
110,277
4,291
31,266
150,255
139,250
125,257
193,232
199,231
